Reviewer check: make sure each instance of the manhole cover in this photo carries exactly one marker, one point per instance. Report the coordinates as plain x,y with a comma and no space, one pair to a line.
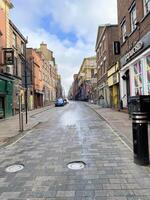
76,165
14,168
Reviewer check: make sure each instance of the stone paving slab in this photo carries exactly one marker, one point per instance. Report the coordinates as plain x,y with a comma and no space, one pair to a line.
9,127
72,133
119,121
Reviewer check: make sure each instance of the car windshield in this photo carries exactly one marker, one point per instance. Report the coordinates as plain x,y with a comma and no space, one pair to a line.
59,100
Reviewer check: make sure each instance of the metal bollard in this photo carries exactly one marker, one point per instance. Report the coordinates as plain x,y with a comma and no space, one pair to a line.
140,138
21,122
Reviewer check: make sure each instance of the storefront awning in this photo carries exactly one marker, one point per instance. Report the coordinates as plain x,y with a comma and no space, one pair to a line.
6,78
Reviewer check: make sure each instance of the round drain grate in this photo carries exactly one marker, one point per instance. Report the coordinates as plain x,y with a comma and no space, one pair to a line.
76,165
14,168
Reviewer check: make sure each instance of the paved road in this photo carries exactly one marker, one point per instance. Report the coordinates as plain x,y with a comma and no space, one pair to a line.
66,134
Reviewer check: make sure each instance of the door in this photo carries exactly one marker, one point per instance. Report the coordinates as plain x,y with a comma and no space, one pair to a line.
2,108
127,83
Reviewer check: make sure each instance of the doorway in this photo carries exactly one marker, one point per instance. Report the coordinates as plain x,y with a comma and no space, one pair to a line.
2,108
127,83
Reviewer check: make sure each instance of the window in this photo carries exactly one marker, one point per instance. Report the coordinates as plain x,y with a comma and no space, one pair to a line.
123,32
22,48
104,44
92,73
14,42
146,6
133,18
138,82
104,63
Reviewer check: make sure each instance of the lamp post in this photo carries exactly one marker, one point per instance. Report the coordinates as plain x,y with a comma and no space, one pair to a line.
26,84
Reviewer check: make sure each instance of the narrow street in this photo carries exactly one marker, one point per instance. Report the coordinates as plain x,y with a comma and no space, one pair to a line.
66,134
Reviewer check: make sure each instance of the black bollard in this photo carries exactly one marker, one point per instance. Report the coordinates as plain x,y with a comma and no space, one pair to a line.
140,138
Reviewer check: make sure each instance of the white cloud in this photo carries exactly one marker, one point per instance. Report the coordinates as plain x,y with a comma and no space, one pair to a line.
81,17
67,58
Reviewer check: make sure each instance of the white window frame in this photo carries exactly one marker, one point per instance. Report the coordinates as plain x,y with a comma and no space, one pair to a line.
133,18
123,31
14,40
146,5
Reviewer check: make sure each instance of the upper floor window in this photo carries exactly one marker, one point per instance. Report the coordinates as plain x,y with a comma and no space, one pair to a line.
146,6
14,42
123,32
92,73
133,18
104,44
22,48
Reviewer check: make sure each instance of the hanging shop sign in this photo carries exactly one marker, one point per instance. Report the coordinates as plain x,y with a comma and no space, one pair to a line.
8,56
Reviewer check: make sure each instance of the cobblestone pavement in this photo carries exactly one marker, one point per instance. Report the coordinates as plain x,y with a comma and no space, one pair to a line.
119,122
72,133
9,127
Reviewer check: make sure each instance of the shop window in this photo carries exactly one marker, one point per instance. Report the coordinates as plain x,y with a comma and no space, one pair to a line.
146,4
148,73
138,82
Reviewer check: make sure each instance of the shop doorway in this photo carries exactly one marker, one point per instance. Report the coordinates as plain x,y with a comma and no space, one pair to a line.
2,108
127,74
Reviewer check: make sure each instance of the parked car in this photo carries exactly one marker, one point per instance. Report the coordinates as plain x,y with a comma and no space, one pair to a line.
59,102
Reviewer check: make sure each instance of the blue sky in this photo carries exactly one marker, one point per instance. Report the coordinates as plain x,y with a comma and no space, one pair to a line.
69,27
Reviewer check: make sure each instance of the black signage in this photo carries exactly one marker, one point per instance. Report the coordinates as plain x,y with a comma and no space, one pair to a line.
8,56
136,48
116,47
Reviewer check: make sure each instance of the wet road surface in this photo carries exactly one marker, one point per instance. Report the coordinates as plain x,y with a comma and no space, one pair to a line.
72,133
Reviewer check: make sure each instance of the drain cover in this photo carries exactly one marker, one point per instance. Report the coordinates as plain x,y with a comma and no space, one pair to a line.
14,168
76,165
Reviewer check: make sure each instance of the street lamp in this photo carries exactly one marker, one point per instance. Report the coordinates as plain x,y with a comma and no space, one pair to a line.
24,60
26,84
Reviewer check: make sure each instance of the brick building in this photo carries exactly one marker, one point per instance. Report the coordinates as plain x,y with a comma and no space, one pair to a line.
6,81
134,33
75,87
50,74
17,70
12,60
105,59
35,62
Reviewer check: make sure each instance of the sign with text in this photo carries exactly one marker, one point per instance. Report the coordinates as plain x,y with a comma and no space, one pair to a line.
8,56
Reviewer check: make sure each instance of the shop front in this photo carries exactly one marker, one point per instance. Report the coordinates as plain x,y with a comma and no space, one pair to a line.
6,97
38,99
103,95
135,74
113,83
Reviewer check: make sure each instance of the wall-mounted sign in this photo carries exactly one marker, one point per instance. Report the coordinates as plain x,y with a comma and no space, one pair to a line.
116,47
134,50
8,56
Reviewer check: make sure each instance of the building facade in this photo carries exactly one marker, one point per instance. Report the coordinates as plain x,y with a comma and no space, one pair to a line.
75,87
50,74
17,70
36,97
85,79
105,59
6,82
59,87
134,33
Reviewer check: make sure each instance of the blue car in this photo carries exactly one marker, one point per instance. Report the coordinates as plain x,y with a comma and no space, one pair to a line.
59,102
